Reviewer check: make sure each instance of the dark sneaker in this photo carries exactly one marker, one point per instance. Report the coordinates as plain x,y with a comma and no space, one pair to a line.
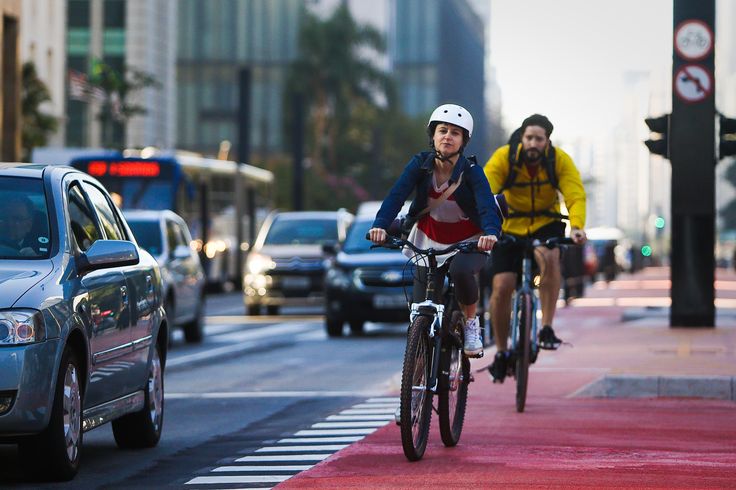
547,339
499,367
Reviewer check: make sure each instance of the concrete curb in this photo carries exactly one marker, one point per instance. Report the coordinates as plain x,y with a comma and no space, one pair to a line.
643,386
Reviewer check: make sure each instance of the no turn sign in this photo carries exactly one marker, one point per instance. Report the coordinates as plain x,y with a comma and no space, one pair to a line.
693,83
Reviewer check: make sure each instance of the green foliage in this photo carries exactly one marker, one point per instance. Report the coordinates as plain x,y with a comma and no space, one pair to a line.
118,107
36,125
357,141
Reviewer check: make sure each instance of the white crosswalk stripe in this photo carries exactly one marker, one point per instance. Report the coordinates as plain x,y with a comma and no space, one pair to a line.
287,457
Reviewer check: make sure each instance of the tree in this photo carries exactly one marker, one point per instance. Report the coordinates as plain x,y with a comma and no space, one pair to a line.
118,106
36,125
357,140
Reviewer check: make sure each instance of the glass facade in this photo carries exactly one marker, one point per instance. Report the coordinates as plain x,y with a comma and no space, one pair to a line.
437,53
214,44
78,59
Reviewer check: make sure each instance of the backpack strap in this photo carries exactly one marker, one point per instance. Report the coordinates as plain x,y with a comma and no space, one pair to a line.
448,192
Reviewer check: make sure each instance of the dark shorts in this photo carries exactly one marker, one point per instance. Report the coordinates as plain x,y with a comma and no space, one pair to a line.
507,258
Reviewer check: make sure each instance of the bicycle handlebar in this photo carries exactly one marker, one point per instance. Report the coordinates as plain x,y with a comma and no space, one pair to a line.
535,242
396,243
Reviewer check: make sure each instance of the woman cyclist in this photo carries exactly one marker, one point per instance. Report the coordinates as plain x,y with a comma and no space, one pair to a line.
453,203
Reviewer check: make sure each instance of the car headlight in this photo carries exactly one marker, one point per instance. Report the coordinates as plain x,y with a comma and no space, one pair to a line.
21,327
259,263
337,278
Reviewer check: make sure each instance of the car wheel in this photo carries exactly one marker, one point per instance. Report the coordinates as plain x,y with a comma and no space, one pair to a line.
194,330
333,326
143,428
272,310
357,327
54,454
253,310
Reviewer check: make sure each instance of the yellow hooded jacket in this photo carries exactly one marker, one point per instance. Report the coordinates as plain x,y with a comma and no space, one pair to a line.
537,194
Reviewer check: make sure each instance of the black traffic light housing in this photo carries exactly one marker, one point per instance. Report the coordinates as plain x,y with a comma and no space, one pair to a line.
659,125
727,137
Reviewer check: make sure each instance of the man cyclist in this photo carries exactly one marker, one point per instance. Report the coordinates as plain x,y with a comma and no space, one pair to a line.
530,171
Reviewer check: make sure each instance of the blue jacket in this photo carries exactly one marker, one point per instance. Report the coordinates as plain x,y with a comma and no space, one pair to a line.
473,195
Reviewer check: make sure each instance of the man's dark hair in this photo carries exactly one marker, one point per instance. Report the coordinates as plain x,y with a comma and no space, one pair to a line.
538,120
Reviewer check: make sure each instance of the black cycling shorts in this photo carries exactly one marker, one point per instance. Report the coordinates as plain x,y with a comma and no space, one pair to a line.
507,257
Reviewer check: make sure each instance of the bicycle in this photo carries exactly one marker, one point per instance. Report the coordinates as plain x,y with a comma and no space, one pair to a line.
523,329
433,360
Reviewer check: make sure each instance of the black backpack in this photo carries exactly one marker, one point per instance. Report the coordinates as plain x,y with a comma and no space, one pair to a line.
514,166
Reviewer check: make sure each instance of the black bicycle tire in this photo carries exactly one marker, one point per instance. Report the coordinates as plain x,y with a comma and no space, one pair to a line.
417,336
523,350
452,418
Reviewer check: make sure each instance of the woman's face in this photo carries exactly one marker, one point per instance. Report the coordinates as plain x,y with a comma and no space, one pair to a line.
448,138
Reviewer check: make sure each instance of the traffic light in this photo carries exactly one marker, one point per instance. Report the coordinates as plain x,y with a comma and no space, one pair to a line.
727,140
659,125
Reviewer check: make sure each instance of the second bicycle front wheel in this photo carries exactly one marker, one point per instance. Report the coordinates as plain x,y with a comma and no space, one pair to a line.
453,386
523,350
416,396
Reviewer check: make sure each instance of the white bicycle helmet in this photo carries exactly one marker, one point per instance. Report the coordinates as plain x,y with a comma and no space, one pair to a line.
453,114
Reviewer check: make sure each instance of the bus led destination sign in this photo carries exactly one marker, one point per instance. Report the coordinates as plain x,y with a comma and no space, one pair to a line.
126,168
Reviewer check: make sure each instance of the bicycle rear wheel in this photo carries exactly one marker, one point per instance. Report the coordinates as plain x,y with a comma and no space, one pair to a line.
416,396
523,350
453,385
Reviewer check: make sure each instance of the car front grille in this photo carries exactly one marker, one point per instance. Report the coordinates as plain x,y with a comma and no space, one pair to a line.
299,264
385,277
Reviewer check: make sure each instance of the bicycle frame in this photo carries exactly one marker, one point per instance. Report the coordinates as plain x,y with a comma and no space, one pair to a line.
525,287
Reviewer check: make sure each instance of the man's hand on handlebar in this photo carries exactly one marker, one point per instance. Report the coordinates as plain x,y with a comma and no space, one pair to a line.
578,236
486,242
377,235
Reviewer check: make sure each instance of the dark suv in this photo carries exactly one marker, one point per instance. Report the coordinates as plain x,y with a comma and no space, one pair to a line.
285,267
364,284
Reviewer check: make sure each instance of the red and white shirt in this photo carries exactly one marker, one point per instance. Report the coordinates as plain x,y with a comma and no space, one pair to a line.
444,225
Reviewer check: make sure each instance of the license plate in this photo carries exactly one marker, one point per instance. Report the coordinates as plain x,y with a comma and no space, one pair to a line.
296,282
386,301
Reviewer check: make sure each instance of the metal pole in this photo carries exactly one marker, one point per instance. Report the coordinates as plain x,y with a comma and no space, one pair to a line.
297,141
692,153
243,155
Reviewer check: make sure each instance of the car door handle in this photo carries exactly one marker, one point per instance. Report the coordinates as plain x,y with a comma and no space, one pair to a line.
124,293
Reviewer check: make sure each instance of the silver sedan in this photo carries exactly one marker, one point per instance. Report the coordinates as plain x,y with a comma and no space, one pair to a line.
82,327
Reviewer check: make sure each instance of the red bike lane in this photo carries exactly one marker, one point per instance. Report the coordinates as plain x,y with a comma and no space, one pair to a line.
626,437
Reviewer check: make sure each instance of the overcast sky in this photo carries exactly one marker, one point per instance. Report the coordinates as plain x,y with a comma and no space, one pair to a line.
567,58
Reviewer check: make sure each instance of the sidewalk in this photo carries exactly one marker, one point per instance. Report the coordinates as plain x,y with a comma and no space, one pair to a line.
632,404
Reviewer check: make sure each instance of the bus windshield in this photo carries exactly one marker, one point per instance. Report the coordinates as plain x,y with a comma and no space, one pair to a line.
140,194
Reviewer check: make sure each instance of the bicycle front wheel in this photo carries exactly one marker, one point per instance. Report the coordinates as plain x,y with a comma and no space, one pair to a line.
453,384
416,396
523,350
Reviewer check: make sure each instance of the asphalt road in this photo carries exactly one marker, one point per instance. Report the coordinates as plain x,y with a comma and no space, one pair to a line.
252,381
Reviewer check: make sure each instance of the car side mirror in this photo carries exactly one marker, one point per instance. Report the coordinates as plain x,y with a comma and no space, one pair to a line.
105,254
181,252
329,248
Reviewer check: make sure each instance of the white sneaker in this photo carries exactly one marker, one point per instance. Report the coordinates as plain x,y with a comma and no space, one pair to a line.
473,347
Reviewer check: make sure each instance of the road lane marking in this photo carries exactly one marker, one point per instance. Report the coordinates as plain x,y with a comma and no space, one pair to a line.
265,394
374,406
334,432
368,411
245,469
298,440
360,417
325,438
283,457
241,319
220,480
291,449
348,425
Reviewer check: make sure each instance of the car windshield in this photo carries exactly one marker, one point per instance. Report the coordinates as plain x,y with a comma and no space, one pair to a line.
355,243
148,235
285,231
24,219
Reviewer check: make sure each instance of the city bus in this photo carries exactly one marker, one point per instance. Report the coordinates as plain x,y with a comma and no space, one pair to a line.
204,191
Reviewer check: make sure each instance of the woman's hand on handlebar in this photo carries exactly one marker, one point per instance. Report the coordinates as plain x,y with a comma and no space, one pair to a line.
377,235
578,236
486,242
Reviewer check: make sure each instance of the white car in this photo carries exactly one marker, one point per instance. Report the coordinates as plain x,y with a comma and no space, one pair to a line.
165,235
